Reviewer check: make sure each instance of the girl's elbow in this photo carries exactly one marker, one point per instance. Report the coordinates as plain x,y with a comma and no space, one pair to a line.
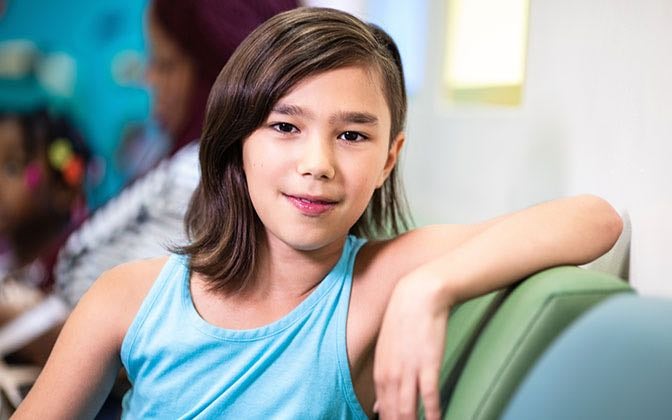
607,222
615,227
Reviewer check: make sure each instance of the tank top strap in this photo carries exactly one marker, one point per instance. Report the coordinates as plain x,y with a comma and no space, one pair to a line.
166,289
352,245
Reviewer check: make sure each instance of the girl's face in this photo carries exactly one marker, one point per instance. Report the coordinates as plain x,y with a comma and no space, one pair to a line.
171,75
17,199
313,166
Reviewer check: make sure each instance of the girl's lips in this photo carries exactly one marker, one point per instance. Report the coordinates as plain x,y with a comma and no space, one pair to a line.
311,206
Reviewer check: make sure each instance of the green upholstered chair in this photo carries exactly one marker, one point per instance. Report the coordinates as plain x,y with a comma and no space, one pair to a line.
614,363
493,341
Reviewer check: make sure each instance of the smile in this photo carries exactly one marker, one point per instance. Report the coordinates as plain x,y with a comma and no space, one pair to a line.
311,206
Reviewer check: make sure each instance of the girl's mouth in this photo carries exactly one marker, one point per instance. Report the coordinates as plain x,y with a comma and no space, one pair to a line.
311,206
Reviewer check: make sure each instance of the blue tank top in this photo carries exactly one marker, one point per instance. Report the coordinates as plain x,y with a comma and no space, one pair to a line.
294,368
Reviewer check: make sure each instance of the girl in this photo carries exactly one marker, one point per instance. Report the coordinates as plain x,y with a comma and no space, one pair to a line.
278,308
42,167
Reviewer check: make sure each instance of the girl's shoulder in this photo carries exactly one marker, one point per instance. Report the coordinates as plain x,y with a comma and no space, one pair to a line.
132,279
389,260
120,291
86,354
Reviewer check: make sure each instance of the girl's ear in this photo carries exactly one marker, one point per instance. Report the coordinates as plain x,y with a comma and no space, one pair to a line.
392,156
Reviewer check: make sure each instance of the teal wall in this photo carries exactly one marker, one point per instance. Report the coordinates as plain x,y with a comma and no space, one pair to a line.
94,35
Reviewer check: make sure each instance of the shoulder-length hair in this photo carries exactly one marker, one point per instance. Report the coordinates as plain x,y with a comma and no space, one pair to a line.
222,225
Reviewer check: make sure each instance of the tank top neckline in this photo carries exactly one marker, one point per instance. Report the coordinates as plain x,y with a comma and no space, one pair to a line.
338,273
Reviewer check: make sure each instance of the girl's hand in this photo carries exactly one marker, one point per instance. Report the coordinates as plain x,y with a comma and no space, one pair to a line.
410,349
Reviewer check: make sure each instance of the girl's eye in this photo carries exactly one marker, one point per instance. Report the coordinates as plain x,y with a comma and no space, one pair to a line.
12,169
285,128
352,136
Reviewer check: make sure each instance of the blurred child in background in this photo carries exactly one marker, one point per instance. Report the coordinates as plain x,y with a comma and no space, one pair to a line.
43,162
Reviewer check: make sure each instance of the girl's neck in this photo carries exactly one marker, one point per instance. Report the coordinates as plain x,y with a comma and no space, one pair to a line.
284,271
284,278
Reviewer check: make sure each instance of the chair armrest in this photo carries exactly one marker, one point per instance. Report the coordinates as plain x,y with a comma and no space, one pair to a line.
519,324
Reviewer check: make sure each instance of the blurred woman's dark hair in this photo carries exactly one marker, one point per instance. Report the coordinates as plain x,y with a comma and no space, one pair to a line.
209,31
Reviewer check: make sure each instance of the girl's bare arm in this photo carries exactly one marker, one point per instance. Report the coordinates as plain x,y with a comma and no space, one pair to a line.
486,257
85,360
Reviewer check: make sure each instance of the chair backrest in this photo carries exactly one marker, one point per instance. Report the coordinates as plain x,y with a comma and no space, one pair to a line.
492,341
613,363
466,322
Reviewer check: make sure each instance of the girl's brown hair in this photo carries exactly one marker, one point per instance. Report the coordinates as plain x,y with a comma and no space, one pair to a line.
223,227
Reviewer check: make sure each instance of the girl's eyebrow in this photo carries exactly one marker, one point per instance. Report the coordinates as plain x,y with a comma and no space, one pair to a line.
342,117
291,110
354,118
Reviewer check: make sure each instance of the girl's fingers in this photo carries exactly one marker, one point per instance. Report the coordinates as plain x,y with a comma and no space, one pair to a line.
397,397
387,386
429,391
405,372
408,397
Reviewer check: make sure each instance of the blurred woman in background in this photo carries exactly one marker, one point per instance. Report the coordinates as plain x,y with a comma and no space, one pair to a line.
189,42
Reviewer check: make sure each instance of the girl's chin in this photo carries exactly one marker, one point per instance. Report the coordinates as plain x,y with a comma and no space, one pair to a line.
312,243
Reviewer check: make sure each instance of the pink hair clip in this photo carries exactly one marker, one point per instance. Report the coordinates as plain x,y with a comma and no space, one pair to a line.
33,175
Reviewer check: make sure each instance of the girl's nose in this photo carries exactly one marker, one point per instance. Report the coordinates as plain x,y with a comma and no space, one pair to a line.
316,159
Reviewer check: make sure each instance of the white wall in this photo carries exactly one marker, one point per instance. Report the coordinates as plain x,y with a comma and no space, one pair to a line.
597,117
356,7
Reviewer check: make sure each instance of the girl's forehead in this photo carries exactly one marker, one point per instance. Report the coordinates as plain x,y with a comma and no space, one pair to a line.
11,136
364,81
371,73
